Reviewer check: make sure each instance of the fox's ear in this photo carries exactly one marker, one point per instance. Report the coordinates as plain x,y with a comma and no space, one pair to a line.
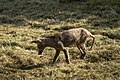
36,41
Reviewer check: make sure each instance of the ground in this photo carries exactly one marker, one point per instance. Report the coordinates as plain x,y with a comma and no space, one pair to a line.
26,20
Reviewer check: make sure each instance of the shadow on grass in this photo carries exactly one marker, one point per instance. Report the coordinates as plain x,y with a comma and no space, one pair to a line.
29,67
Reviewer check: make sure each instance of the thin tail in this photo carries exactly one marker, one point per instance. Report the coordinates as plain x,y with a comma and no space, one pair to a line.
92,42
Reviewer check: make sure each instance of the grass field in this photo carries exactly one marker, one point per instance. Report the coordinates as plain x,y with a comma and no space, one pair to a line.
26,20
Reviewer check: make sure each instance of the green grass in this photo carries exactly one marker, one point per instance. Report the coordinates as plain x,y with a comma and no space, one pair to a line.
30,20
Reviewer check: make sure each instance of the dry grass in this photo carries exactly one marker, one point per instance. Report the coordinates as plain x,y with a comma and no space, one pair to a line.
29,20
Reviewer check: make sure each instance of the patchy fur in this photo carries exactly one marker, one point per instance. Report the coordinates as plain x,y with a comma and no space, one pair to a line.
60,41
